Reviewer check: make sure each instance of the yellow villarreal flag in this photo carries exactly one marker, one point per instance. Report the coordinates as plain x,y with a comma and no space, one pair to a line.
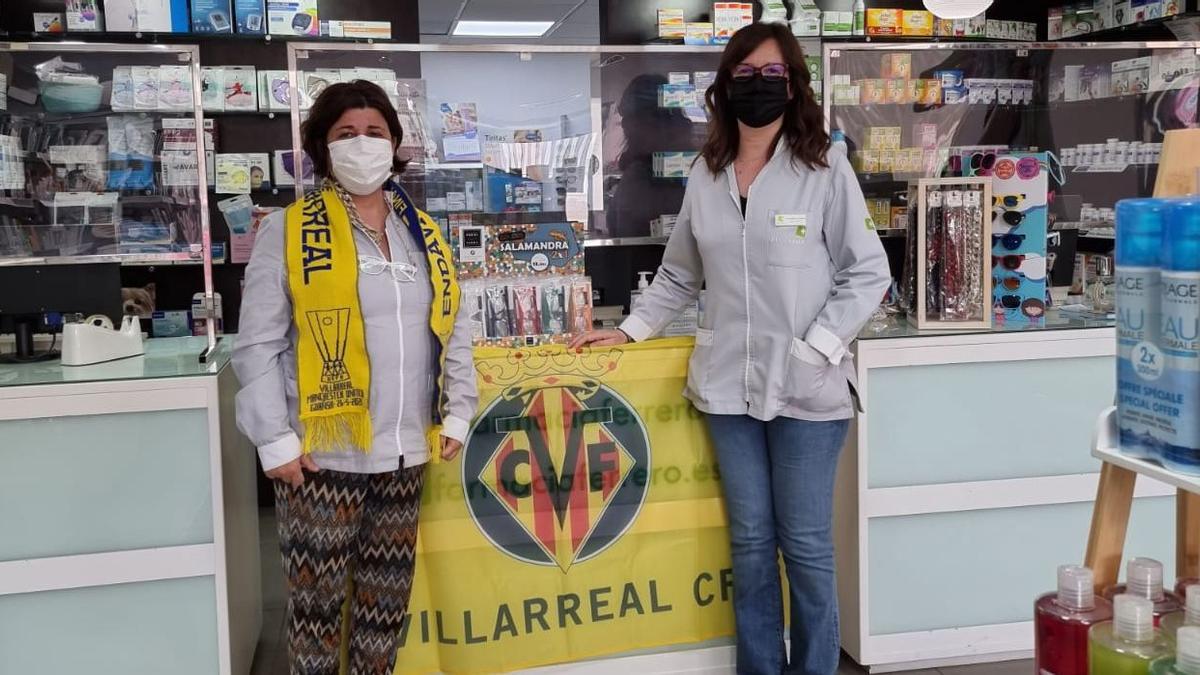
583,518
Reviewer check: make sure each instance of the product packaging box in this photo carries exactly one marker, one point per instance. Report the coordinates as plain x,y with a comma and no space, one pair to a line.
251,16
121,16
175,88
1102,14
943,27
880,210
233,174
837,24
212,88
200,317
729,17
273,90
1172,7
883,138
171,324
806,19
374,30
897,66
84,16
212,16
896,91
49,22
293,17
698,34
670,24
916,22
159,16
240,87
145,87
1171,69
884,21
1131,76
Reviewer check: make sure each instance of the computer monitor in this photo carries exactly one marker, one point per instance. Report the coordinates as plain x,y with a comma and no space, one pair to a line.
33,297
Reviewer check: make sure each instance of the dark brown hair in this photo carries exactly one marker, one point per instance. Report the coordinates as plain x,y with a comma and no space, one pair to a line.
329,108
803,121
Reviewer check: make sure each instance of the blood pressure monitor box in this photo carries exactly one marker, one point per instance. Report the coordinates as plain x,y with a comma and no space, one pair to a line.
212,16
293,17
251,16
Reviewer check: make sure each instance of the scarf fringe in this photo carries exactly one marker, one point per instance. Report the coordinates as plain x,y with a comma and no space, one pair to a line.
346,430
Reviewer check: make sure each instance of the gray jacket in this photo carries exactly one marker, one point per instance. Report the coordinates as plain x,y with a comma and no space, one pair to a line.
787,288
399,342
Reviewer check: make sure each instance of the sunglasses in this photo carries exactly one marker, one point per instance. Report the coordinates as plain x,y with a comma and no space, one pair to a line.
771,72
1008,283
1014,218
1007,201
1010,301
1009,262
982,163
1010,242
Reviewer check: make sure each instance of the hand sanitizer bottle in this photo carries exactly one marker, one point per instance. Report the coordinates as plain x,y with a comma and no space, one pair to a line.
1186,660
1144,578
1127,644
1062,620
1190,616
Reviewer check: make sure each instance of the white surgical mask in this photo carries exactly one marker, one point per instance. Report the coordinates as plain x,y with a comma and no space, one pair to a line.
361,164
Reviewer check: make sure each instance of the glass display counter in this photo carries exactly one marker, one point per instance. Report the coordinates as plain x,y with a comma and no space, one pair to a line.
138,512
101,160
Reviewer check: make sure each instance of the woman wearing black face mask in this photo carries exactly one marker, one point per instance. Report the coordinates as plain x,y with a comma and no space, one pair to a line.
774,225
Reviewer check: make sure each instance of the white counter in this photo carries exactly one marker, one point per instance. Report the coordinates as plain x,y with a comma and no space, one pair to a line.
966,482
128,518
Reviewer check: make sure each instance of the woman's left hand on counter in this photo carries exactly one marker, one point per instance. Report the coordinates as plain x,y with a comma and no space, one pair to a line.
450,448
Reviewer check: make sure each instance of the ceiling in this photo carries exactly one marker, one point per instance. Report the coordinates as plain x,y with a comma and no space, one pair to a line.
576,21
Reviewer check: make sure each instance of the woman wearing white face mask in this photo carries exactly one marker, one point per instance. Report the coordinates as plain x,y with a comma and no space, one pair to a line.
355,364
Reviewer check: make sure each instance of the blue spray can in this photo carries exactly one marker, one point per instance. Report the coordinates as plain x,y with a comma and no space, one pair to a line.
1139,241
1178,398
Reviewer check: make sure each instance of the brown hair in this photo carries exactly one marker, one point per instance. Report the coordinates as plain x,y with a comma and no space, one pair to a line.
803,121
329,108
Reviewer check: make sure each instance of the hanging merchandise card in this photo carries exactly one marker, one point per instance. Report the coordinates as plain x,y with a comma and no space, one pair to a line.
241,87
145,87
212,89
84,15
460,132
12,164
175,88
233,174
121,99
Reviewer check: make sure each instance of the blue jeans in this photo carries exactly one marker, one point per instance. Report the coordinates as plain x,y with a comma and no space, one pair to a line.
778,481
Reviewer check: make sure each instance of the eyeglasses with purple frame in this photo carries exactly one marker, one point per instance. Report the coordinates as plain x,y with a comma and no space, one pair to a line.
769,71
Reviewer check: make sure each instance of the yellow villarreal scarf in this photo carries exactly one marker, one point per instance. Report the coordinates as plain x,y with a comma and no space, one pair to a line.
332,365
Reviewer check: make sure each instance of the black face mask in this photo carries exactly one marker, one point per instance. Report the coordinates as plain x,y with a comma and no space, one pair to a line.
758,102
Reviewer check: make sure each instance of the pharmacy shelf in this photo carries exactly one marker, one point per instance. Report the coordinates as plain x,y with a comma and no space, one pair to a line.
1123,32
119,258
625,241
85,36
1104,449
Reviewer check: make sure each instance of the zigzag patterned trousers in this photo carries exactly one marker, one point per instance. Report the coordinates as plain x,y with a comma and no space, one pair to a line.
339,526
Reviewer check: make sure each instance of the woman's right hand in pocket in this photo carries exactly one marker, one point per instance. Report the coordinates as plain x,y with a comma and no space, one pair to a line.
600,338
292,473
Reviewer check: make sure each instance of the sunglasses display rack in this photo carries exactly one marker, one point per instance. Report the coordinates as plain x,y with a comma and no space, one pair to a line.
948,284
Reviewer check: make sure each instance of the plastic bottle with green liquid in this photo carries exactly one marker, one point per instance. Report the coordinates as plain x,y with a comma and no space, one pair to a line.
1186,660
1127,644
1190,616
